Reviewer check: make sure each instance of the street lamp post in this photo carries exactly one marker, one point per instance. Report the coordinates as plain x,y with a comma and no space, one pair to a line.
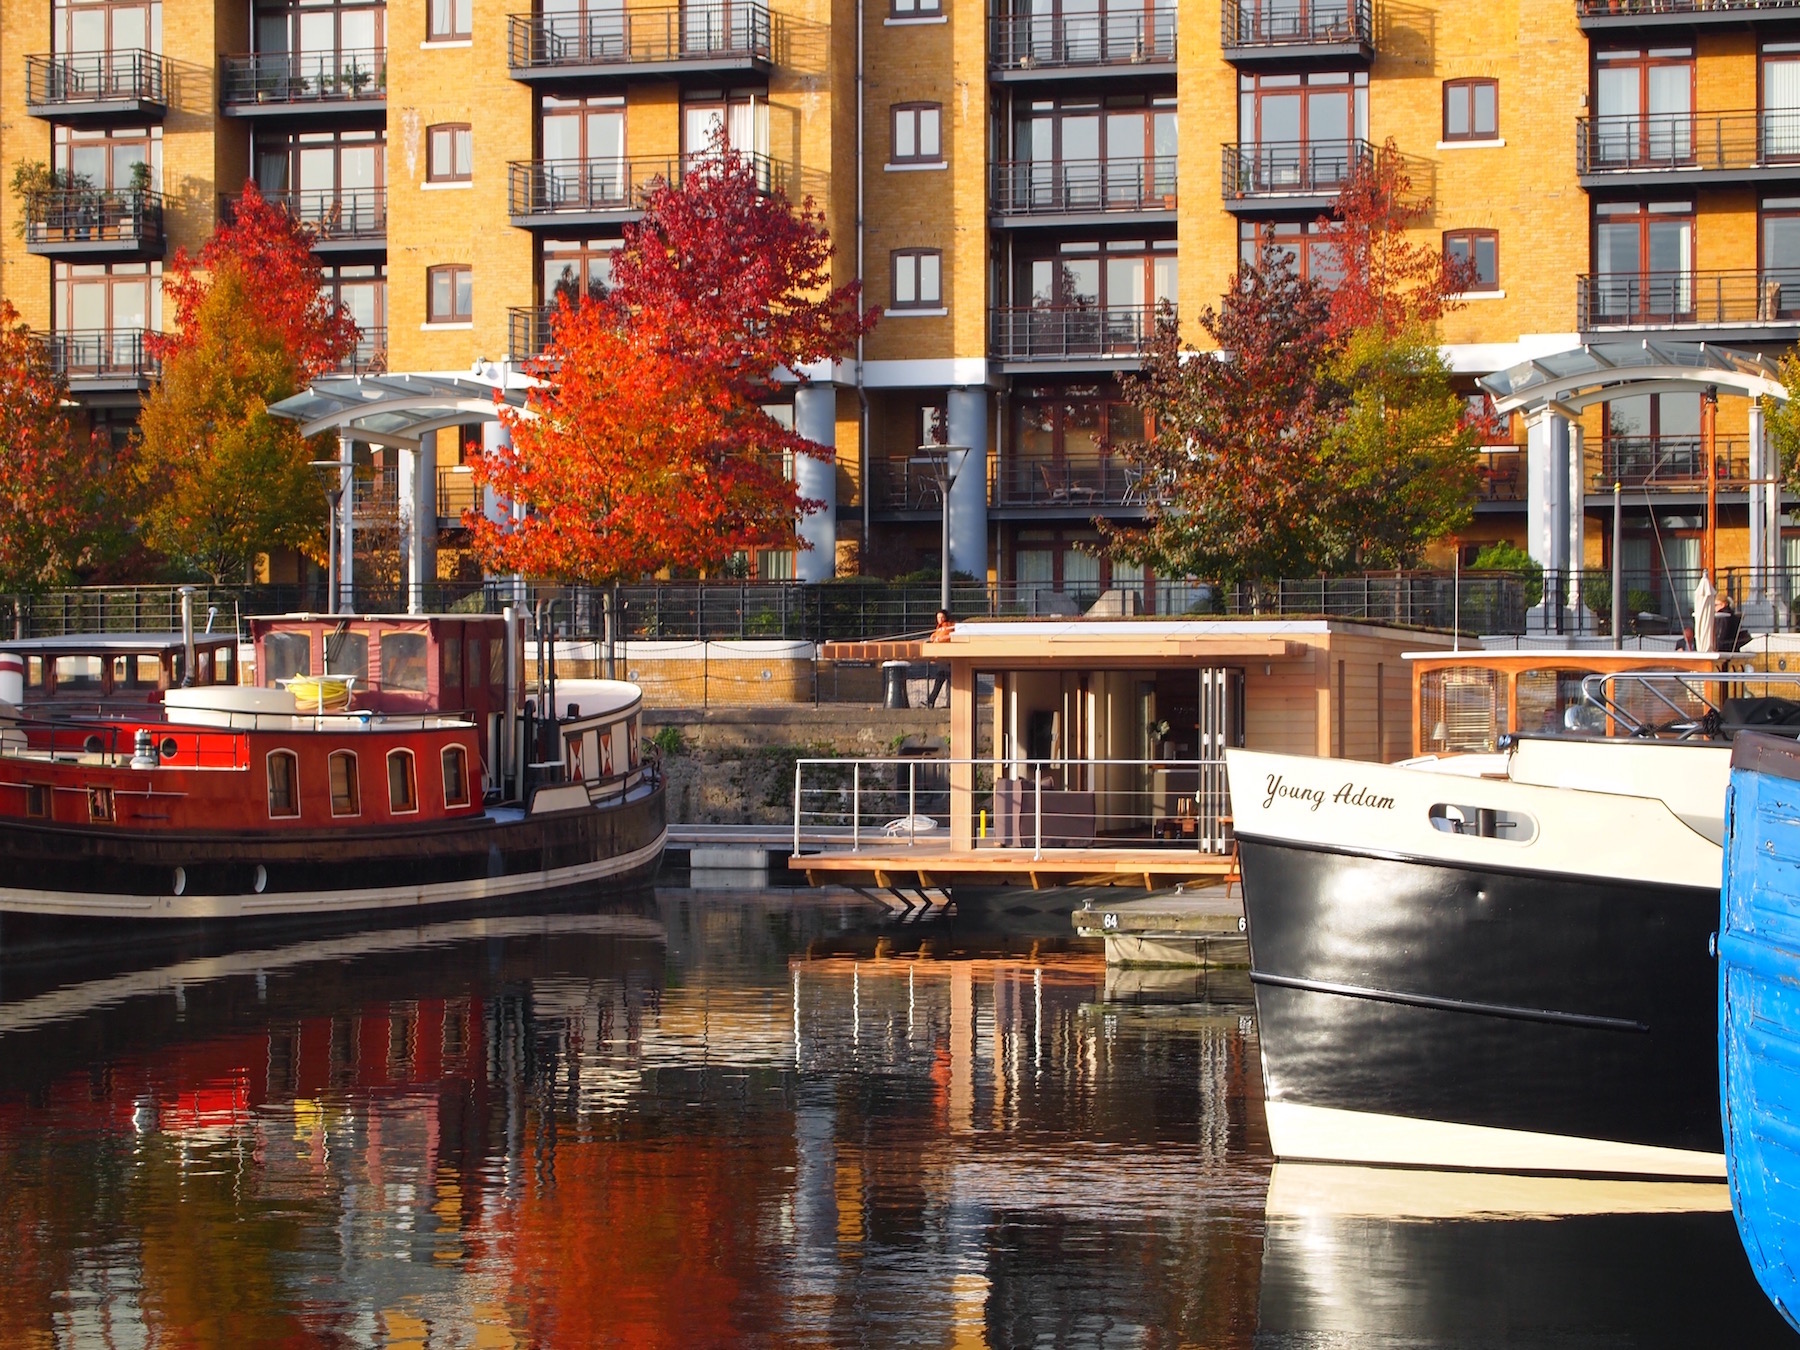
945,464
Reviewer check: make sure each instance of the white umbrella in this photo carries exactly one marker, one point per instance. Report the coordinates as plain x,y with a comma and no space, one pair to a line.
1705,627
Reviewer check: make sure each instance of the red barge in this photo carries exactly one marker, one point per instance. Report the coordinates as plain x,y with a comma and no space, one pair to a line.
137,782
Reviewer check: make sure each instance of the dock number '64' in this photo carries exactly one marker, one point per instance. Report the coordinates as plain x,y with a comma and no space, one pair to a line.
1109,920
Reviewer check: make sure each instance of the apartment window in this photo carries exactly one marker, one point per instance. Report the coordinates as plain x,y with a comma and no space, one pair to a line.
918,279
403,790
1643,107
450,295
916,135
1327,107
914,9
103,28
450,20
456,776
1781,99
1305,246
348,36
284,775
1479,250
574,268
346,800
452,154
1778,295
114,160
1471,110
1643,261
1126,274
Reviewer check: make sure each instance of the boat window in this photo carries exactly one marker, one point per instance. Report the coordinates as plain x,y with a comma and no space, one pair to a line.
203,663
452,664
78,672
135,672
403,661
497,664
456,776
345,799
1515,827
100,804
34,672
225,665
284,797
348,654
474,663
286,655
402,792
1461,708
37,800
1545,696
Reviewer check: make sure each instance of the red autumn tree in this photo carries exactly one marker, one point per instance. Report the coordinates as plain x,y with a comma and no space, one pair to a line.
56,480
224,481
646,445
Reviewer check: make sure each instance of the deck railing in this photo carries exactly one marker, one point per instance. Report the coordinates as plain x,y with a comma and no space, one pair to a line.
83,218
1672,463
1291,168
100,354
1074,332
1683,298
336,215
1127,36
126,76
1032,805
1295,23
347,76
730,29
1045,187
1687,140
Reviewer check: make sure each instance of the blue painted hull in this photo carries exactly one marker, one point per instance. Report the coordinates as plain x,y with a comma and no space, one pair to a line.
1759,1011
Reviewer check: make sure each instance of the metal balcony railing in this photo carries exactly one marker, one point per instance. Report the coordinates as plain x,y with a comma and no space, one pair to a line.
1072,332
1075,483
369,356
336,215
129,76
1693,141
1662,299
1501,475
1593,9
527,331
1671,463
89,220
548,188
375,493
100,354
733,31
456,492
357,76
1122,37
1295,23
1082,186
1292,168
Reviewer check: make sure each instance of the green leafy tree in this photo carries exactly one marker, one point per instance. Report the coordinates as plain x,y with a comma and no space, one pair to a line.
1781,422
1509,557
223,480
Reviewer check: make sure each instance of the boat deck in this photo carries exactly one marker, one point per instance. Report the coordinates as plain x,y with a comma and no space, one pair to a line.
937,863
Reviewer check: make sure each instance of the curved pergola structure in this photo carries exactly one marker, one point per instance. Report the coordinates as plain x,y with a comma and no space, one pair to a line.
1553,391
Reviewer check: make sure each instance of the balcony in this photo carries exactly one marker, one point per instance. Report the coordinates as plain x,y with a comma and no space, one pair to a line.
1253,31
347,220
586,191
369,356
1673,464
81,222
456,493
1688,148
1290,175
282,84
101,360
1029,47
1074,337
89,85
1074,191
704,39
1738,306
1087,485
527,331
1501,474
1597,16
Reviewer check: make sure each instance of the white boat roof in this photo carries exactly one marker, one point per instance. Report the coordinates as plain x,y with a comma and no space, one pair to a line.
112,642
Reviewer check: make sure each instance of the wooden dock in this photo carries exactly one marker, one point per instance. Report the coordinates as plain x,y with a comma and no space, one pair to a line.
1202,926
938,864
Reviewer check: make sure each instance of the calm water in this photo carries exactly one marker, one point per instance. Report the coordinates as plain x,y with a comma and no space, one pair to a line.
694,1121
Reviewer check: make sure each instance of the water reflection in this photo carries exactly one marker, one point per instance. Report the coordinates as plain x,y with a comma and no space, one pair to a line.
684,1122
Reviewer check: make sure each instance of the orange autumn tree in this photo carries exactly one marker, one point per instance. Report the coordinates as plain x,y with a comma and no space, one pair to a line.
646,444
55,479
223,480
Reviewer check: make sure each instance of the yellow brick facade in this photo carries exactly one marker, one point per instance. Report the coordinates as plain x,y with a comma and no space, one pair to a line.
1039,389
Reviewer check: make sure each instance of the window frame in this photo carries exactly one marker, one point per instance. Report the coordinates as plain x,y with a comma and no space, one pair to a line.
915,9
1471,236
410,780
461,796
910,257
354,794
1467,86
432,33
293,783
432,313
915,110
452,129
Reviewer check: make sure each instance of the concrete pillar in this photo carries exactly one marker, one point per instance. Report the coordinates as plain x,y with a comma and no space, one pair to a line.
1547,489
967,421
418,519
815,417
346,582
1759,506
494,436
1577,521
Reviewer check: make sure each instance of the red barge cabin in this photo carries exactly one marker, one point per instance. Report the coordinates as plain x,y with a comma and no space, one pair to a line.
234,801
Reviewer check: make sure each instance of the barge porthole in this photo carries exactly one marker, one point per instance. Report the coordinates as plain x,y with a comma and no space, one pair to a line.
180,880
262,878
167,748
93,745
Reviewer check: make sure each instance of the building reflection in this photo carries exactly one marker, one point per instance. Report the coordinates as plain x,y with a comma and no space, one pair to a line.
702,1124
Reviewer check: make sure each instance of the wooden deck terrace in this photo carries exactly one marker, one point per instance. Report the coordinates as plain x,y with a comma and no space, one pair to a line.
939,864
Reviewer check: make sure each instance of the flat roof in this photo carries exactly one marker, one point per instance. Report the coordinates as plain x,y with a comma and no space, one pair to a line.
112,642
1170,639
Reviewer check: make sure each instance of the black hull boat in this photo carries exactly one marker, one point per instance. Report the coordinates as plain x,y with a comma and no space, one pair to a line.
1494,971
